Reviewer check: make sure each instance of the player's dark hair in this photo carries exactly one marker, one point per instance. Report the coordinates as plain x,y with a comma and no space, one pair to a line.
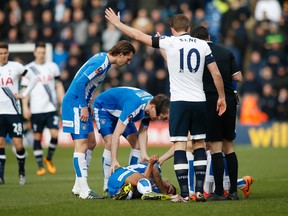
180,23
161,102
3,45
40,44
123,46
199,32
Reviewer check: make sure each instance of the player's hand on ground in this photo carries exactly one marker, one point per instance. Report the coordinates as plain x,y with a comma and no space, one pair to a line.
84,114
18,96
221,106
111,16
114,165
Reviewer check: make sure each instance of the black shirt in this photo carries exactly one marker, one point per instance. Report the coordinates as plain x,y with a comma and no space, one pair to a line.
227,66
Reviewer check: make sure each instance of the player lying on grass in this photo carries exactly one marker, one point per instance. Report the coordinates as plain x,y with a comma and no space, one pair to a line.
243,183
140,180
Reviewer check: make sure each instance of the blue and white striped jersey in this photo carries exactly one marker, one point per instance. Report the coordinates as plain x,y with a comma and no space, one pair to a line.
85,82
126,103
141,167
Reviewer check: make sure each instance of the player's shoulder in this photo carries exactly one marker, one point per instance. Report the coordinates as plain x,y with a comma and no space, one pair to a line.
14,63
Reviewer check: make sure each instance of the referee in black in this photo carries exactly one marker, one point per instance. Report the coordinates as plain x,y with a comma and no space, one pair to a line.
221,129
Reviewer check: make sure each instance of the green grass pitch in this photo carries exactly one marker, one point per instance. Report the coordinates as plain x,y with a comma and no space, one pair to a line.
51,194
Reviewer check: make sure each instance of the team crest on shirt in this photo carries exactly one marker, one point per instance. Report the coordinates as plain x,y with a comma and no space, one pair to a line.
130,117
102,121
99,70
84,126
162,37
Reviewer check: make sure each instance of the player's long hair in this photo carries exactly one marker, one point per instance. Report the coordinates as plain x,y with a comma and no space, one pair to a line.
180,23
123,46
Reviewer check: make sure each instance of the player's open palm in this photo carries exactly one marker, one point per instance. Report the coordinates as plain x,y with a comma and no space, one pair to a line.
111,16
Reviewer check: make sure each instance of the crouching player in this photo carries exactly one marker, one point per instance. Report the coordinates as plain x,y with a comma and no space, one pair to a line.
140,180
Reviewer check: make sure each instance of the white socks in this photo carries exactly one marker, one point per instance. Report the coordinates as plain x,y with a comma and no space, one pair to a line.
134,157
144,186
106,164
80,167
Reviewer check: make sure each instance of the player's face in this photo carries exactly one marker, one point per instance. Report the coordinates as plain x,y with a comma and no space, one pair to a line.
39,54
3,56
124,59
168,187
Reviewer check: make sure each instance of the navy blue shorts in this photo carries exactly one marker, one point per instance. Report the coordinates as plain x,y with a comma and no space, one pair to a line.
11,124
41,120
221,127
187,117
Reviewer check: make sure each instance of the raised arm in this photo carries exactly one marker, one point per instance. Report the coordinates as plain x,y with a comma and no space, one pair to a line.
129,31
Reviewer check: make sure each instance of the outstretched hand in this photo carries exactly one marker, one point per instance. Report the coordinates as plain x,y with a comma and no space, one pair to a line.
111,16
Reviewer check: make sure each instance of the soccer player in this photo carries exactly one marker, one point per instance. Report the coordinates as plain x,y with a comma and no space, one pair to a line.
186,58
42,104
243,183
77,113
116,110
221,129
11,121
140,180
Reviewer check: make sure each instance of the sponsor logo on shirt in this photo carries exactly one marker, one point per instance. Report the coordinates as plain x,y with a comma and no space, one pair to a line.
67,123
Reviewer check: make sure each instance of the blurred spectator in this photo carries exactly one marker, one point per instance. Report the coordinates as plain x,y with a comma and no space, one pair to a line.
250,113
60,55
128,79
143,22
28,25
250,85
59,9
110,36
3,25
142,80
268,9
80,27
13,36
256,63
268,101
282,105
159,84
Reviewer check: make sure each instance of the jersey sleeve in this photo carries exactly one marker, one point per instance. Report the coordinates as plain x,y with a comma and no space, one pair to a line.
20,68
209,58
56,70
129,111
164,42
234,66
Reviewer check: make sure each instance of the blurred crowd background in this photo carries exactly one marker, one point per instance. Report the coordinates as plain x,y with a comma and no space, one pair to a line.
255,31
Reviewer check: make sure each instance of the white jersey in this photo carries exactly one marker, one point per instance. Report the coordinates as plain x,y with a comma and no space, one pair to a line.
9,85
186,58
43,97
